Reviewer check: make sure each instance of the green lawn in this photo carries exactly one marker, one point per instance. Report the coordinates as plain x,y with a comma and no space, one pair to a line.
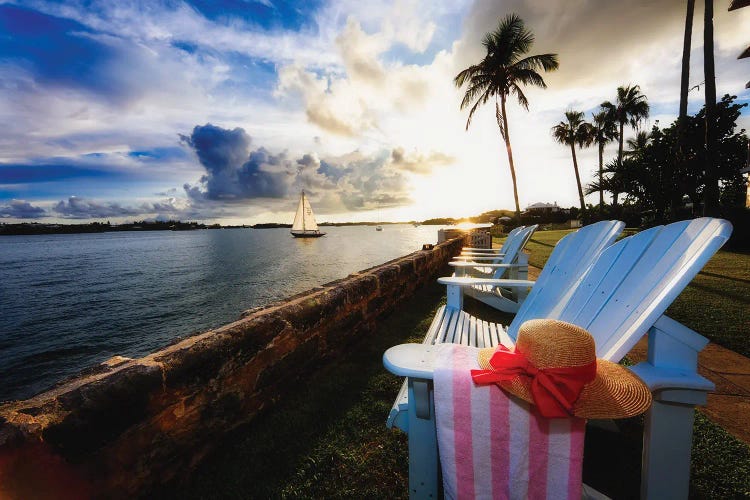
327,438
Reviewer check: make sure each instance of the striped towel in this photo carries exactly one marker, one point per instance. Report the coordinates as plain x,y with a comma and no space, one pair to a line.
493,445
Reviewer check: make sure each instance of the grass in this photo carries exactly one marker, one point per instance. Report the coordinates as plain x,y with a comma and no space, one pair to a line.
327,438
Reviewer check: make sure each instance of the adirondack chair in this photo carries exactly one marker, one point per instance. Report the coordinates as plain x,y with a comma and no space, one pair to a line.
466,251
570,258
514,263
622,295
520,233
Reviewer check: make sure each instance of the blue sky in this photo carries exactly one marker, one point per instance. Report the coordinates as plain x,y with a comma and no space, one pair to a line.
224,110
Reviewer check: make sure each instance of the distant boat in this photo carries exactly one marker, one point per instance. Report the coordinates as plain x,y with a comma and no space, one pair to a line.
304,225
378,228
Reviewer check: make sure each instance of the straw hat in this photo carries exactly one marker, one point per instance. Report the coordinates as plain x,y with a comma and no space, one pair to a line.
547,348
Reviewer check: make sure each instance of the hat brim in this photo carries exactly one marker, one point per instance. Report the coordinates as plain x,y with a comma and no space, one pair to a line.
615,392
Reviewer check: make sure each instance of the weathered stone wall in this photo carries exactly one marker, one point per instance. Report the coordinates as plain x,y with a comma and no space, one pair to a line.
135,423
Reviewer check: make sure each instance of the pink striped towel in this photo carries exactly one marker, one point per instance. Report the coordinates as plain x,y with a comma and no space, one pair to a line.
496,446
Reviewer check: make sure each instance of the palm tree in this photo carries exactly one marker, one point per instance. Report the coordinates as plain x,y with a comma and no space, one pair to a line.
503,71
605,131
711,192
631,107
637,144
685,80
571,132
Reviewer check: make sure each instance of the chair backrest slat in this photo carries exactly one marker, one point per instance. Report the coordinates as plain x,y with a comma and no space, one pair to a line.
635,280
510,237
515,246
567,264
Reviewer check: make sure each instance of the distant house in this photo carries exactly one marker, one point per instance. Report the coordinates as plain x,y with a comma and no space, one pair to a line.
542,209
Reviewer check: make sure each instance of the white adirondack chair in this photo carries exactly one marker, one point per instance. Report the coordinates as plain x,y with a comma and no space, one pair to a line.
572,255
513,263
622,295
567,263
515,242
483,252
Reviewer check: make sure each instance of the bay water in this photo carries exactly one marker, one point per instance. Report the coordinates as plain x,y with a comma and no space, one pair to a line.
71,301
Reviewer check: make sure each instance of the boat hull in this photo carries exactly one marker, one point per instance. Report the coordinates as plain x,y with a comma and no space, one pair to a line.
311,234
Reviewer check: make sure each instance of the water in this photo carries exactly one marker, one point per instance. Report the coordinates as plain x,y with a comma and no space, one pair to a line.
70,301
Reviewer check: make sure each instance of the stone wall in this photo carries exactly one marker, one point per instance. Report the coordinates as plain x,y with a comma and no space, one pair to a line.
131,423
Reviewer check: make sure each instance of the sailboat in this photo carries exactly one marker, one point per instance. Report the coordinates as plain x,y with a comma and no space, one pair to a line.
304,225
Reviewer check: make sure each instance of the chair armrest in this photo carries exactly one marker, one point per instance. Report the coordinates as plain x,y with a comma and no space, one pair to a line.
469,281
411,360
657,378
479,264
477,257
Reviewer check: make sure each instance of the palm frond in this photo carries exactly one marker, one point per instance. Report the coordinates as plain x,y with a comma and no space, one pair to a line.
520,96
562,133
529,77
546,62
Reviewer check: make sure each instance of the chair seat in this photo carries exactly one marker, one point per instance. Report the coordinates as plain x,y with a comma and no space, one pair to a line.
455,326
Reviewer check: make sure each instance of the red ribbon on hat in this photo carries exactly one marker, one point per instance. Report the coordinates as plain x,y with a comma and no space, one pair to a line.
555,390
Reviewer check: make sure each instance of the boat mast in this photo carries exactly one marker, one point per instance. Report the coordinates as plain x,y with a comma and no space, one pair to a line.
303,210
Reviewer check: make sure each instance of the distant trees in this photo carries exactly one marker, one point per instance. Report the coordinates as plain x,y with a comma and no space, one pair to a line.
663,168
630,107
604,131
505,70
572,131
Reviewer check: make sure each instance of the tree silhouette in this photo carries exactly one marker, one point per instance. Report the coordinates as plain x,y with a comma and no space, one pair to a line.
502,72
630,107
572,131
605,131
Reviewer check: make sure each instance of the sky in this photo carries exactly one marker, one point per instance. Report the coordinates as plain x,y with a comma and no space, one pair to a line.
223,111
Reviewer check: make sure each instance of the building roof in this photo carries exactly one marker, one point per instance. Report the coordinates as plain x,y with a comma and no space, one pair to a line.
738,4
542,205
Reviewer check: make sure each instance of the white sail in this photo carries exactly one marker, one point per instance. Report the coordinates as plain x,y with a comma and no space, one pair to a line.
299,218
304,220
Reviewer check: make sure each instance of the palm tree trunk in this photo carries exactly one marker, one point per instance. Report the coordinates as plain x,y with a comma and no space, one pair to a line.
601,175
578,177
685,80
711,192
615,194
506,136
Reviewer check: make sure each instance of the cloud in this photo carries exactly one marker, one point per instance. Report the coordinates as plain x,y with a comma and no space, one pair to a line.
360,53
419,163
20,209
171,208
367,182
81,208
351,100
233,172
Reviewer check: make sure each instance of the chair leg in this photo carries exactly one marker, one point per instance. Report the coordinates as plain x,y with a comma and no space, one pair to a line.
424,475
667,442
